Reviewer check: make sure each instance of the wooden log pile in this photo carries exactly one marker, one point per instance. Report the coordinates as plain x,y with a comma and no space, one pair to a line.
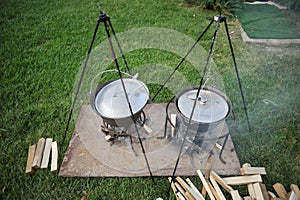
215,186
39,155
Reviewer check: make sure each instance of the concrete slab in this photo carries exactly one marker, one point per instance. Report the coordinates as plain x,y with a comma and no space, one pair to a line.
90,155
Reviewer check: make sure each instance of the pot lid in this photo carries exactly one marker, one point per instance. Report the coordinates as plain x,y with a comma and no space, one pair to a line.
210,106
110,101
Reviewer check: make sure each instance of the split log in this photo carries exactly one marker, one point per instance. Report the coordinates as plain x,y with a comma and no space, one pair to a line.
31,153
38,154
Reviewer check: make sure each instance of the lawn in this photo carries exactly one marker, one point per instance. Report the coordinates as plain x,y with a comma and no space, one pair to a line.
43,47
267,21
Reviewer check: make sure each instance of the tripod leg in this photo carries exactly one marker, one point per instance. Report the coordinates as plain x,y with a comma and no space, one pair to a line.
79,84
237,75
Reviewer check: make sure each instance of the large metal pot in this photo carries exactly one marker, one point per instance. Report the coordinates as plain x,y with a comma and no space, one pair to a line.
109,101
212,107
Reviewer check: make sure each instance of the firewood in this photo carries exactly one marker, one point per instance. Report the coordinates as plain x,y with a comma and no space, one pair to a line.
260,191
188,189
54,156
240,180
180,196
173,120
280,190
217,188
248,198
46,154
180,190
235,195
38,154
253,170
296,190
31,153
194,188
207,172
205,184
251,190
215,176
173,188
271,195
292,196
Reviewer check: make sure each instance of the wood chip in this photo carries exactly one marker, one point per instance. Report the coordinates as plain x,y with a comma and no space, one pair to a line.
36,164
31,153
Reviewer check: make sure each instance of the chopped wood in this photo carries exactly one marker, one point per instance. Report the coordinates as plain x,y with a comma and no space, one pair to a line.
180,190
38,154
293,196
205,184
280,190
217,188
180,196
215,176
213,190
173,121
264,191
147,129
260,191
235,195
173,187
31,152
54,156
246,165
188,189
207,172
240,180
253,170
251,191
46,155
248,198
194,188
295,189
271,195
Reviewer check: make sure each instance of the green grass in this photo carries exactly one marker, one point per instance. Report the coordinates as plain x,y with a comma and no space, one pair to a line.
43,47
267,21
